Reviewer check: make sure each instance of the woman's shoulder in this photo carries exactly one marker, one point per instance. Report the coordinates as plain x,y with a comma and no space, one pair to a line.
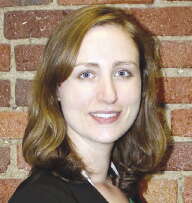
42,187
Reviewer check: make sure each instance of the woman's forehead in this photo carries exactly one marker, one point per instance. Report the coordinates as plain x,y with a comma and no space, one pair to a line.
107,42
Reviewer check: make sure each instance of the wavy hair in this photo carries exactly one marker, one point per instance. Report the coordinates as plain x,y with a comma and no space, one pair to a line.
46,144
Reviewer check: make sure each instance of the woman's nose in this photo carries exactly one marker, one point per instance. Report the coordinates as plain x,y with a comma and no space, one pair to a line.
106,91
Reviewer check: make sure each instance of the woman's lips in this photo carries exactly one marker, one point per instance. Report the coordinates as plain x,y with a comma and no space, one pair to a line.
105,117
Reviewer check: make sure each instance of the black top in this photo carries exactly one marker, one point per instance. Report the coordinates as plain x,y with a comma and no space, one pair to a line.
47,188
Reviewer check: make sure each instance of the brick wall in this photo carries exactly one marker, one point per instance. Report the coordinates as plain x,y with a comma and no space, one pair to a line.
24,28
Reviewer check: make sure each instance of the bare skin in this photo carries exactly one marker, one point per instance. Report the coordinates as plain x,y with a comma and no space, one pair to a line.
111,193
99,176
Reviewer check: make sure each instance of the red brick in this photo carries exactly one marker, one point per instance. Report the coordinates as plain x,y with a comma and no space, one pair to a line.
181,122
5,92
188,189
5,57
4,158
175,90
178,157
78,2
166,21
159,21
161,190
175,54
5,3
7,188
21,164
22,92
26,24
28,57
12,124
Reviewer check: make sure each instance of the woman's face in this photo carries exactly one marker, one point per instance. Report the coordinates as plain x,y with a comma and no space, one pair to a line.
101,98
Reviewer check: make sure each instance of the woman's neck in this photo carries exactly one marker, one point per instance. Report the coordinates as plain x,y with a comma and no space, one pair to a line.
96,159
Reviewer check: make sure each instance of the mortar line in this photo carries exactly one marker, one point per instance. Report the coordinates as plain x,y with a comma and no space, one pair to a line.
180,190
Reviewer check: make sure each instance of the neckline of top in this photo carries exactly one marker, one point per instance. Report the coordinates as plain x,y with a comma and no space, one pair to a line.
113,167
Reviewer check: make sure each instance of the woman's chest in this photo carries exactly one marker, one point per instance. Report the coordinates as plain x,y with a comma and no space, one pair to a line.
112,194
86,193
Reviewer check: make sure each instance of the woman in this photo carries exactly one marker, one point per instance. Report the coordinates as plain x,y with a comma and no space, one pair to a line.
93,131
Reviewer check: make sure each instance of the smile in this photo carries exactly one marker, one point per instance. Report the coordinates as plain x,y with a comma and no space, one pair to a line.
105,117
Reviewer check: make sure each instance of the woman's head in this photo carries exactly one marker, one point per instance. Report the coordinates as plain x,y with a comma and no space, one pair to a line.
101,97
46,136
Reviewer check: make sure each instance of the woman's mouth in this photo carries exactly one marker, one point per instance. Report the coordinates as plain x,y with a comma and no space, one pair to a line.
105,117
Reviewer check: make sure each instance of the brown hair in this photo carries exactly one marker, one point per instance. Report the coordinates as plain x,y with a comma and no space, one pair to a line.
45,144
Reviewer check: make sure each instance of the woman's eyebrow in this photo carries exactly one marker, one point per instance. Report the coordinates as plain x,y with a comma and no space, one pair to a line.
119,63
88,64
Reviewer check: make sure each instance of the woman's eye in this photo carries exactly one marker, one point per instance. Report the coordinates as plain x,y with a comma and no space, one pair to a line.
123,73
87,74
